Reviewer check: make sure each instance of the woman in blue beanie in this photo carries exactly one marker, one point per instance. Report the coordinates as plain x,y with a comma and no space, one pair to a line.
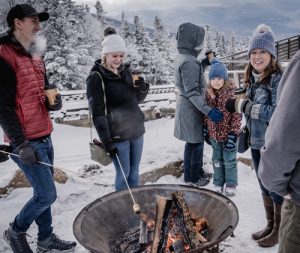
222,135
262,77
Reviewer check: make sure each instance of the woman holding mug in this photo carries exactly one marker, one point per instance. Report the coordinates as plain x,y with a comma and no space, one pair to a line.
262,77
116,114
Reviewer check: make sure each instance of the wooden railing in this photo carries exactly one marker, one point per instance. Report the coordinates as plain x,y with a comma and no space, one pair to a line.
286,48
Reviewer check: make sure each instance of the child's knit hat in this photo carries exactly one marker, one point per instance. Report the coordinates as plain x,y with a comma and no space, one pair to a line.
217,69
262,38
112,42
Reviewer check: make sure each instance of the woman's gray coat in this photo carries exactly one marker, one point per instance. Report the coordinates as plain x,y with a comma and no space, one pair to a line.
189,80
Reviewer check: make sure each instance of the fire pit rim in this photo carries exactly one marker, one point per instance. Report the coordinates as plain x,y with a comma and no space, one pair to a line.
180,187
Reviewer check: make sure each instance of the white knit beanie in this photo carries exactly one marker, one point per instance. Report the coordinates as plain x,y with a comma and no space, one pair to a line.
262,38
112,42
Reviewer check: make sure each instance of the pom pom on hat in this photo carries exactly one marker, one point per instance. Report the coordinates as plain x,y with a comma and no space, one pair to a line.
112,42
109,30
217,70
262,38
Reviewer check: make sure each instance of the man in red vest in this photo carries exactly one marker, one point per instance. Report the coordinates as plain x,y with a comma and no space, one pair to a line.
25,120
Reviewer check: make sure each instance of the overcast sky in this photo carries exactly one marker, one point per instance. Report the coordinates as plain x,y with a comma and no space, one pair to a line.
115,6
227,15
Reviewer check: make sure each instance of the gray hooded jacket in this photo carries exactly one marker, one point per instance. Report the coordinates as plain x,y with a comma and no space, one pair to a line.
189,80
279,167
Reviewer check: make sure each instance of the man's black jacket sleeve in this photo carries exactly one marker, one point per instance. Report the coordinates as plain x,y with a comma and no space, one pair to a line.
8,118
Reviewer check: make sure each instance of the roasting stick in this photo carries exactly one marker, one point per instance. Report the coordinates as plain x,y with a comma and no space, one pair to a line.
48,164
136,207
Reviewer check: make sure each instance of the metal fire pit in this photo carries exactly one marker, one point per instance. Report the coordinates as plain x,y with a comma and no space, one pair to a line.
111,216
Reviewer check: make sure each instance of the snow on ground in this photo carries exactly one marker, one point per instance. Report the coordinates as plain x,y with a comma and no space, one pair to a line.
160,148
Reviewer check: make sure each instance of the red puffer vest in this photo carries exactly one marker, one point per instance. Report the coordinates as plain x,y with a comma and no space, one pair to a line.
30,98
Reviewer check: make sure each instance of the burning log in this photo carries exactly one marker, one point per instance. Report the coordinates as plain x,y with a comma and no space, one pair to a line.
163,207
143,239
173,231
195,238
178,246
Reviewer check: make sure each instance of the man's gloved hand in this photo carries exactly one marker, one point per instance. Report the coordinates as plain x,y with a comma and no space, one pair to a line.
3,156
210,55
26,153
215,115
208,52
206,136
58,103
230,143
239,105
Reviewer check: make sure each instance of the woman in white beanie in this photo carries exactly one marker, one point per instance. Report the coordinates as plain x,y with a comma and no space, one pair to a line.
263,74
116,114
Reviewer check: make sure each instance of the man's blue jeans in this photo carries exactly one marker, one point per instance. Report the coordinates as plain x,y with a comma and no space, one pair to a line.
224,164
255,153
40,176
193,162
129,153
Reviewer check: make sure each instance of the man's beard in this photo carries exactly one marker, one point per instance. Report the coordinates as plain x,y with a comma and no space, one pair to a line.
38,46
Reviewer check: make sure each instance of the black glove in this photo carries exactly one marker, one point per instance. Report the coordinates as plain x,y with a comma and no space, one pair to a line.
230,105
239,105
140,84
4,157
230,143
58,103
26,153
215,115
111,150
209,52
206,136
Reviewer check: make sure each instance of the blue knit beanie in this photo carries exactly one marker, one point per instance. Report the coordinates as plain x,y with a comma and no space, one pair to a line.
262,39
217,69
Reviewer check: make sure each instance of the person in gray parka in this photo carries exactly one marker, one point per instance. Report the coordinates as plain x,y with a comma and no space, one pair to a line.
279,167
190,104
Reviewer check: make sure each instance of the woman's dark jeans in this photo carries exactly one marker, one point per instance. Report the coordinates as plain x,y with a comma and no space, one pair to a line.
193,162
255,153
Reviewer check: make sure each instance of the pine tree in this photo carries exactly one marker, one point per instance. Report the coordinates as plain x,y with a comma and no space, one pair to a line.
232,45
68,57
144,60
87,8
124,30
218,44
164,70
100,13
209,43
5,5
223,51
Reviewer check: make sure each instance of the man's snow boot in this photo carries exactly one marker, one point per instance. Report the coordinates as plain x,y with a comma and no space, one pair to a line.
54,244
17,240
